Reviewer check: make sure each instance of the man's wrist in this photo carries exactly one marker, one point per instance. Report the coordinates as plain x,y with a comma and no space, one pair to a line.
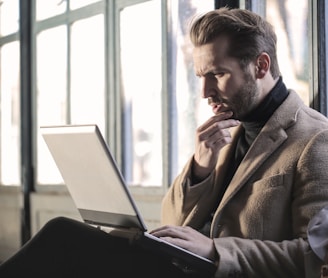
197,177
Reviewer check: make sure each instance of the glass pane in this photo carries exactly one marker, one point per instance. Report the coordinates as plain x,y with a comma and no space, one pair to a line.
51,76
75,4
88,72
10,115
141,87
9,16
293,32
49,8
192,110
51,93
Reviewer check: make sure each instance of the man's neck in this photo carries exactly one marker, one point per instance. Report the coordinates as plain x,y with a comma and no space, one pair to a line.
269,104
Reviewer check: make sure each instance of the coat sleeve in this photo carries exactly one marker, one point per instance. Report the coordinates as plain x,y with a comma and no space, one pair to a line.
256,257
188,204
191,204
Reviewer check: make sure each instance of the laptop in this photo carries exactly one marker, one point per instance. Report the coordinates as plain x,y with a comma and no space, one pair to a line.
101,195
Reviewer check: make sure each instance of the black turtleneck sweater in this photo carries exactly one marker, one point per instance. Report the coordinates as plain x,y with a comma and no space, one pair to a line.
253,124
255,121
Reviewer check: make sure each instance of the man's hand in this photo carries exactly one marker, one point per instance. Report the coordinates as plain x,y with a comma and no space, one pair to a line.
187,238
211,137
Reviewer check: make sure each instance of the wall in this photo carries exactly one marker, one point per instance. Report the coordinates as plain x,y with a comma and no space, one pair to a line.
10,221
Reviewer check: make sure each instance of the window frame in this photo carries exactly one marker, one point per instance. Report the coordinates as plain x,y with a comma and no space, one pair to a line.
27,34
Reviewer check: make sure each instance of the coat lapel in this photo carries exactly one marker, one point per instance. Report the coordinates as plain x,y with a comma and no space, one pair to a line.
269,139
253,159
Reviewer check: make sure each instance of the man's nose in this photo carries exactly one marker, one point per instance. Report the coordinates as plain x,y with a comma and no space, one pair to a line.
207,87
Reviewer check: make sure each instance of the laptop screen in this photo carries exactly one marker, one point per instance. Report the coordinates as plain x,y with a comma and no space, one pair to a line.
91,175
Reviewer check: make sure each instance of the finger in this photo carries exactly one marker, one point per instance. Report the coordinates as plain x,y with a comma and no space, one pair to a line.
212,126
169,231
160,229
217,118
218,129
218,140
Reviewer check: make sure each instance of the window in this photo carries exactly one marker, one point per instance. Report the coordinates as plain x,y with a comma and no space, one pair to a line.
9,94
294,40
92,67
101,61
70,70
187,108
140,40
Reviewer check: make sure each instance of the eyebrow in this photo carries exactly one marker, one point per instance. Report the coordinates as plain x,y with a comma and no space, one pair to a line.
213,70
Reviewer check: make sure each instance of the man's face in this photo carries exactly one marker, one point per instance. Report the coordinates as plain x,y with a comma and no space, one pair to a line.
224,83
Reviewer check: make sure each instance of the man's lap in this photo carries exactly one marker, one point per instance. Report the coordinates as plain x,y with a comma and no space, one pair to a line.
68,248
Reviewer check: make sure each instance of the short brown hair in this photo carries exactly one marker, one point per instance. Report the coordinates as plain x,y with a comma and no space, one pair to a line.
248,33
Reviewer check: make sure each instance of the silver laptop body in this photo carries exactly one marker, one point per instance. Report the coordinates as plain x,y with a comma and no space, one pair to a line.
100,193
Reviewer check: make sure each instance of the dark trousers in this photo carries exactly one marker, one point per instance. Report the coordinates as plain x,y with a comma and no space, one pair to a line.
68,248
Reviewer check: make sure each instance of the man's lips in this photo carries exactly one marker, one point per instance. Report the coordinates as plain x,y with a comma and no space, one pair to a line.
215,108
218,106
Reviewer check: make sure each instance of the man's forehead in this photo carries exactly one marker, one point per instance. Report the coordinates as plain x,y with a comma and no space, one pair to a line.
213,53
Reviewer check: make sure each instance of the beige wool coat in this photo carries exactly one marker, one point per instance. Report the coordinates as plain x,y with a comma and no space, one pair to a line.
260,225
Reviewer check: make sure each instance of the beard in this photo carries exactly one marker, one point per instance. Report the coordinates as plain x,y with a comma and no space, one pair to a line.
245,100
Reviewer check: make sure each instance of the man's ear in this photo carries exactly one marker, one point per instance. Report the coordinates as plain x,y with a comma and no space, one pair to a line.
263,63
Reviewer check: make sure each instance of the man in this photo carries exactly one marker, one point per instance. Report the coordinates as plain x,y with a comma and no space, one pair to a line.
261,185
244,200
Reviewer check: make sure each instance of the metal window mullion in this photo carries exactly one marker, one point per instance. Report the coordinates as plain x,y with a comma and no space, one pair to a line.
26,115
321,43
168,152
117,103
9,38
313,54
111,87
70,16
68,84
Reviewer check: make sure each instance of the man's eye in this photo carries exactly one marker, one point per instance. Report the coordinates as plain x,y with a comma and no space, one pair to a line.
219,74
